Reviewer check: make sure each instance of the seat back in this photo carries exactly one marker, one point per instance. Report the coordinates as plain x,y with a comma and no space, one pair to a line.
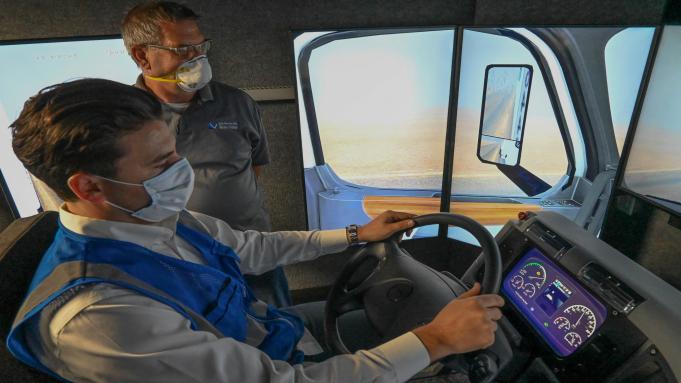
22,245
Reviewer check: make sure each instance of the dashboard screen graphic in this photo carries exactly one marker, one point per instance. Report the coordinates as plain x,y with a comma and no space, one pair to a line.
563,312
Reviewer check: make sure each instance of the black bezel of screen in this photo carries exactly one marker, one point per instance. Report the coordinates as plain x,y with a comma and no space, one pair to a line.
530,244
7,197
59,39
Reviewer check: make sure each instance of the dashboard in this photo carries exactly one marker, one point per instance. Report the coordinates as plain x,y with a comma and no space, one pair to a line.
564,314
579,310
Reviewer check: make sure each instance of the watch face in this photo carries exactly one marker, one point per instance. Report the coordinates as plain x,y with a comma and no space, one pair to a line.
352,233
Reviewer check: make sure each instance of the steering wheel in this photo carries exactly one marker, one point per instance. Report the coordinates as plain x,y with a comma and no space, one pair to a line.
399,293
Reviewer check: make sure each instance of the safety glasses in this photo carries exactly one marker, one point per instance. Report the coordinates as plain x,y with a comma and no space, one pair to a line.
184,51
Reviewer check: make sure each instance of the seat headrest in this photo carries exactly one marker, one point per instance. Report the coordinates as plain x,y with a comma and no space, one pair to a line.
22,245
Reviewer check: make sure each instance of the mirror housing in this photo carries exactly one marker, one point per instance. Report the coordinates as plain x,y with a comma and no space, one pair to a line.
505,99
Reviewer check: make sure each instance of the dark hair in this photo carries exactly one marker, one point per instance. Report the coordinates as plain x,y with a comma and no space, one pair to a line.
142,24
75,126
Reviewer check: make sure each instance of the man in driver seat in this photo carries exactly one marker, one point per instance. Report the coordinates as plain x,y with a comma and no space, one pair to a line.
136,288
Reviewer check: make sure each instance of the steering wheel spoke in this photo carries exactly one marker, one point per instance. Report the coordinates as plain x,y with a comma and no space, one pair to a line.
470,276
347,304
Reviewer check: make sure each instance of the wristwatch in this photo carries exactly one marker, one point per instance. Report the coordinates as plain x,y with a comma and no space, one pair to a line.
351,233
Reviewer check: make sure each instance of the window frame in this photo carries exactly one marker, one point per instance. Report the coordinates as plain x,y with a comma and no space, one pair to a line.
552,92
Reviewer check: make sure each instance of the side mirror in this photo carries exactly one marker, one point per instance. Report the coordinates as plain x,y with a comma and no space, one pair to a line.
504,110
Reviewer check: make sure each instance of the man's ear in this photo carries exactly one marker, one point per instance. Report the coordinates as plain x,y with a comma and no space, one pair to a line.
86,187
139,55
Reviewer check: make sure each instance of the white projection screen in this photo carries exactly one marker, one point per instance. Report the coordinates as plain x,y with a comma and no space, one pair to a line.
28,67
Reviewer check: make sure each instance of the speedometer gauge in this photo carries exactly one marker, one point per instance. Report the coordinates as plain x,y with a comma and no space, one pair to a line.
582,319
534,273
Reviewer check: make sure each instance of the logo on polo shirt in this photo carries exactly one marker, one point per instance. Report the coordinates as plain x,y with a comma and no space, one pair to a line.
223,125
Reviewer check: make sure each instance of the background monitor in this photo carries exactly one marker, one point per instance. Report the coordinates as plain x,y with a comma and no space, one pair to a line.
644,216
653,167
28,67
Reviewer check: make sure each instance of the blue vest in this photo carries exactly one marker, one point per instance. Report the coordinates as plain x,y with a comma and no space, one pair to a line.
213,297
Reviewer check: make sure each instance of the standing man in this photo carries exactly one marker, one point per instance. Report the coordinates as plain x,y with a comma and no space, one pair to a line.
217,127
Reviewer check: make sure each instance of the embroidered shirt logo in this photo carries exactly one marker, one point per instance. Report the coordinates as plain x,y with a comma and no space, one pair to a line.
222,125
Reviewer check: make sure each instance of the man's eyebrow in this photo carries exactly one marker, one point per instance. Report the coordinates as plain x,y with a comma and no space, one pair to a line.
161,157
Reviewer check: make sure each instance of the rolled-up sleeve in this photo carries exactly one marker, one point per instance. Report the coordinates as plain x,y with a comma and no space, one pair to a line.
260,252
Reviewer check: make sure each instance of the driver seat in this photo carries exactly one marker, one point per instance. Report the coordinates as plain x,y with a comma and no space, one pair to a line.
22,245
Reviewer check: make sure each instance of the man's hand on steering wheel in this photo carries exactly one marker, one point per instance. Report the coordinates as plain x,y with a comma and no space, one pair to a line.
466,324
399,294
386,224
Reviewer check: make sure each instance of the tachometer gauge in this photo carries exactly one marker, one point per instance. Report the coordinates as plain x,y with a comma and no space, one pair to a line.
562,323
518,282
534,273
582,319
573,339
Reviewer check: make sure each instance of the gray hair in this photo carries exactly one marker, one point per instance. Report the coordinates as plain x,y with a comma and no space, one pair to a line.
142,24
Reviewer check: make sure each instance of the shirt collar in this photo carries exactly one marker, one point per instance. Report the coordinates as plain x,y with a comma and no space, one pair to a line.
145,235
205,93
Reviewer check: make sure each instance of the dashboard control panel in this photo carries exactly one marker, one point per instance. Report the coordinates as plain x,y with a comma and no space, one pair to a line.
564,313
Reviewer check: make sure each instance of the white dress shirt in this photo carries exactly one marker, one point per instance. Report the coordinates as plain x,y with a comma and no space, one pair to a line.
104,333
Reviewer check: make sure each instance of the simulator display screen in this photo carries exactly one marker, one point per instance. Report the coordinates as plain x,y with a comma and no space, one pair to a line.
373,113
653,169
563,312
374,106
30,67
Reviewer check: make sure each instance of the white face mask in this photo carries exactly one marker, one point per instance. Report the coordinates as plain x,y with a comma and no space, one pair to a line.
190,76
169,192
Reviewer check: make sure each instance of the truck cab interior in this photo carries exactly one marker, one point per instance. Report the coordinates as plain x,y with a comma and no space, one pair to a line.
536,143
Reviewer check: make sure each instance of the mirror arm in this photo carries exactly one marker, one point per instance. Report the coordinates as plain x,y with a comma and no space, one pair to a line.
524,179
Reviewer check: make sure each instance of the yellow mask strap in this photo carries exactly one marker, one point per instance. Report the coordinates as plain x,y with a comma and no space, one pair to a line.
166,78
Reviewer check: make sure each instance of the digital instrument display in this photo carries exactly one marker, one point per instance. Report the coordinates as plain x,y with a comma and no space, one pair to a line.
563,312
